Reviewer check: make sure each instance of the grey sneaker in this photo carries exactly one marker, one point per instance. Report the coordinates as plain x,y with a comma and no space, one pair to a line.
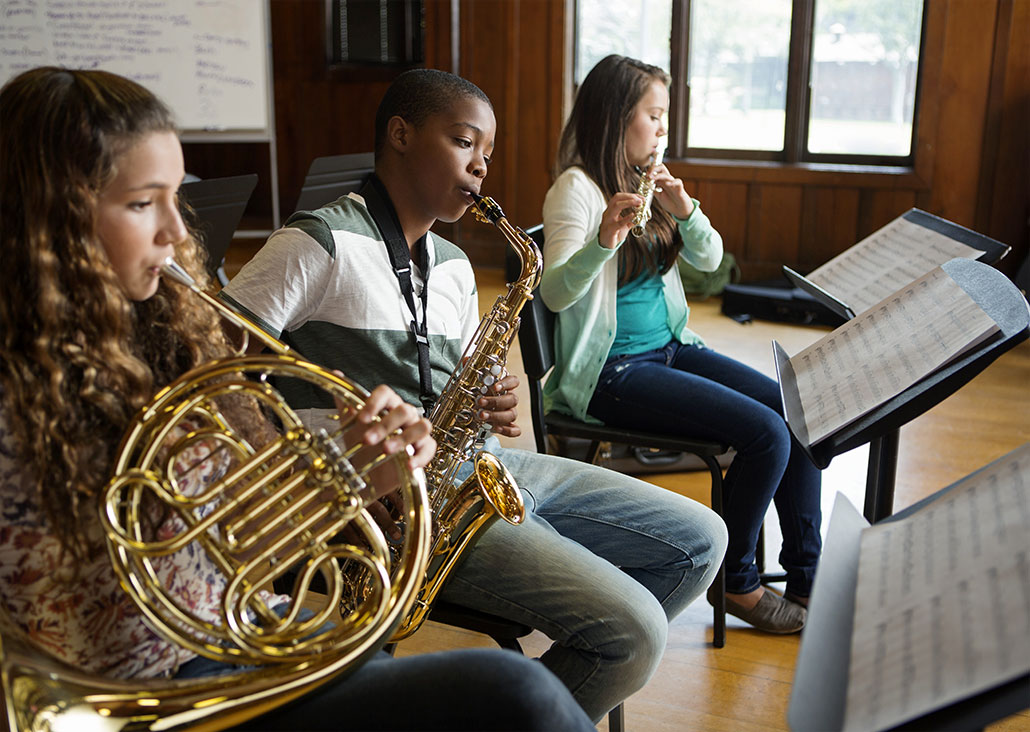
772,613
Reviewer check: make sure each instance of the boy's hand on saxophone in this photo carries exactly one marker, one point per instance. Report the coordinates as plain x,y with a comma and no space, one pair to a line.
499,410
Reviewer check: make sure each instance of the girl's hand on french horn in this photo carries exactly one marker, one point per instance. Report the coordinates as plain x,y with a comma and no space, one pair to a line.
399,426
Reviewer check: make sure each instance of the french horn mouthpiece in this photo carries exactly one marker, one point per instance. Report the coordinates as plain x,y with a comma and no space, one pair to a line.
174,270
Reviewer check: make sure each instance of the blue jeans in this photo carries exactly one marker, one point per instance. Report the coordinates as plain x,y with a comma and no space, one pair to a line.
471,689
601,564
696,392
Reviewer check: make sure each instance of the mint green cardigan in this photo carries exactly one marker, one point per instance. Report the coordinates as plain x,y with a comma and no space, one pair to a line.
580,280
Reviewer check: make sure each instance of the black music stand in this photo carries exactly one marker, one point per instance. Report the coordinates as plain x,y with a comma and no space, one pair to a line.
333,176
991,251
1000,299
819,692
218,205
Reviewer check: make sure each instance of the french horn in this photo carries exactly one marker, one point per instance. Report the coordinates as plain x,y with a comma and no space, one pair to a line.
273,510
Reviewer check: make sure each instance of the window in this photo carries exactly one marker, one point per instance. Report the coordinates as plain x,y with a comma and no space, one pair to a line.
636,28
787,80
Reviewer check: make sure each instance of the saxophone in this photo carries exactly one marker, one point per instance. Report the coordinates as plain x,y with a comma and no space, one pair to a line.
460,513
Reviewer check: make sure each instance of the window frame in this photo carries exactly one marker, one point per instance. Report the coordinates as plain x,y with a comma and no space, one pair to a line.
413,32
797,103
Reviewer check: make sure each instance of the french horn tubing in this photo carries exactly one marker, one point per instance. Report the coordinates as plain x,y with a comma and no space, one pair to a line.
269,515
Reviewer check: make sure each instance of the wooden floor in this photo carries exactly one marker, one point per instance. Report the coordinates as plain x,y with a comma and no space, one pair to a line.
746,685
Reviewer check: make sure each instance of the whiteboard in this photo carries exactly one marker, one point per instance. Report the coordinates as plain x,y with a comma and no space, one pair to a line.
207,59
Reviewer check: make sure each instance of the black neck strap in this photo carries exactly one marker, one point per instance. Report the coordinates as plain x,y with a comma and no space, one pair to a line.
377,201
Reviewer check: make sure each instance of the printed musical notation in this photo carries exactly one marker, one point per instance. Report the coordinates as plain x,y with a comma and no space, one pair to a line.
941,609
885,261
884,350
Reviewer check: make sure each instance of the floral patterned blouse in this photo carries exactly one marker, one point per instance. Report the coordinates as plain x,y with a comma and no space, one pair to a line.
93,624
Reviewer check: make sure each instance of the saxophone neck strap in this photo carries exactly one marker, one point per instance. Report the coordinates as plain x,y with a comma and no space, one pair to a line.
377,201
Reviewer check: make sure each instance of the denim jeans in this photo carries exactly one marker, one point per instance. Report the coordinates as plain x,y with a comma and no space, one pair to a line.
468,689
601,564
695,392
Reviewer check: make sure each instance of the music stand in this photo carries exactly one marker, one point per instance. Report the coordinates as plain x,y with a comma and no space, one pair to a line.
820,687
1000,299
218,205
991,251
333,176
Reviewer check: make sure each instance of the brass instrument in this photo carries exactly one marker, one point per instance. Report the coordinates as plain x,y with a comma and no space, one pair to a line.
645,188
461,513
275,508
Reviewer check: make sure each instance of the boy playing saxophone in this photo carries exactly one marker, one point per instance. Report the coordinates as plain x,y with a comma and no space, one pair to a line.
602,561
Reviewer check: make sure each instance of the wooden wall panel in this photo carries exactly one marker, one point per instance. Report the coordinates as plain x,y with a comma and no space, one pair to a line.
829,225
723,204
441,34
515,51
538,110
488,57
1003,209
774,230
319,111
878,208
965,80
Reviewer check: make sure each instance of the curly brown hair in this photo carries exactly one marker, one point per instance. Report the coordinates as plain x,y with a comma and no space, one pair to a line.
77,357
594,139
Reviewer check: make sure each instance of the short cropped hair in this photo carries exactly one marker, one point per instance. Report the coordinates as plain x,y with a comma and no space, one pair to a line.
420,93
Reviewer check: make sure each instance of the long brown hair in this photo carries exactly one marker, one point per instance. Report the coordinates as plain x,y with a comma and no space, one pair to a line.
77,357
594,139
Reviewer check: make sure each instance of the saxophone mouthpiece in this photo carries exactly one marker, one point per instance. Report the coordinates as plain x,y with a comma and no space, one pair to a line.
485,209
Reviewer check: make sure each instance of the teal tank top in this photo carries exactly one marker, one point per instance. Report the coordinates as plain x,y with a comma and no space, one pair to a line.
641,316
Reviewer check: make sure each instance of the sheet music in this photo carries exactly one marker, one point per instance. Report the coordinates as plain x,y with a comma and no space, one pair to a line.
942,605
885,350
885,261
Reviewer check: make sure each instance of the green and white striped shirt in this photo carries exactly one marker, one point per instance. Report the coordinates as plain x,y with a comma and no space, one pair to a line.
323,284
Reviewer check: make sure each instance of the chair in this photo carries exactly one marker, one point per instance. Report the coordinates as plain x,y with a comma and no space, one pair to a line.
333,176
536,340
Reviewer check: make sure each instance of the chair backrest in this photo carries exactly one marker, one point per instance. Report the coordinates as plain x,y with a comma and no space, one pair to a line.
536,340
333,176
536,334
218,205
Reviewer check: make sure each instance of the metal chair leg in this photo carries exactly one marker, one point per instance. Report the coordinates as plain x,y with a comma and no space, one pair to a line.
617,719
760,549
719,606
719,609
